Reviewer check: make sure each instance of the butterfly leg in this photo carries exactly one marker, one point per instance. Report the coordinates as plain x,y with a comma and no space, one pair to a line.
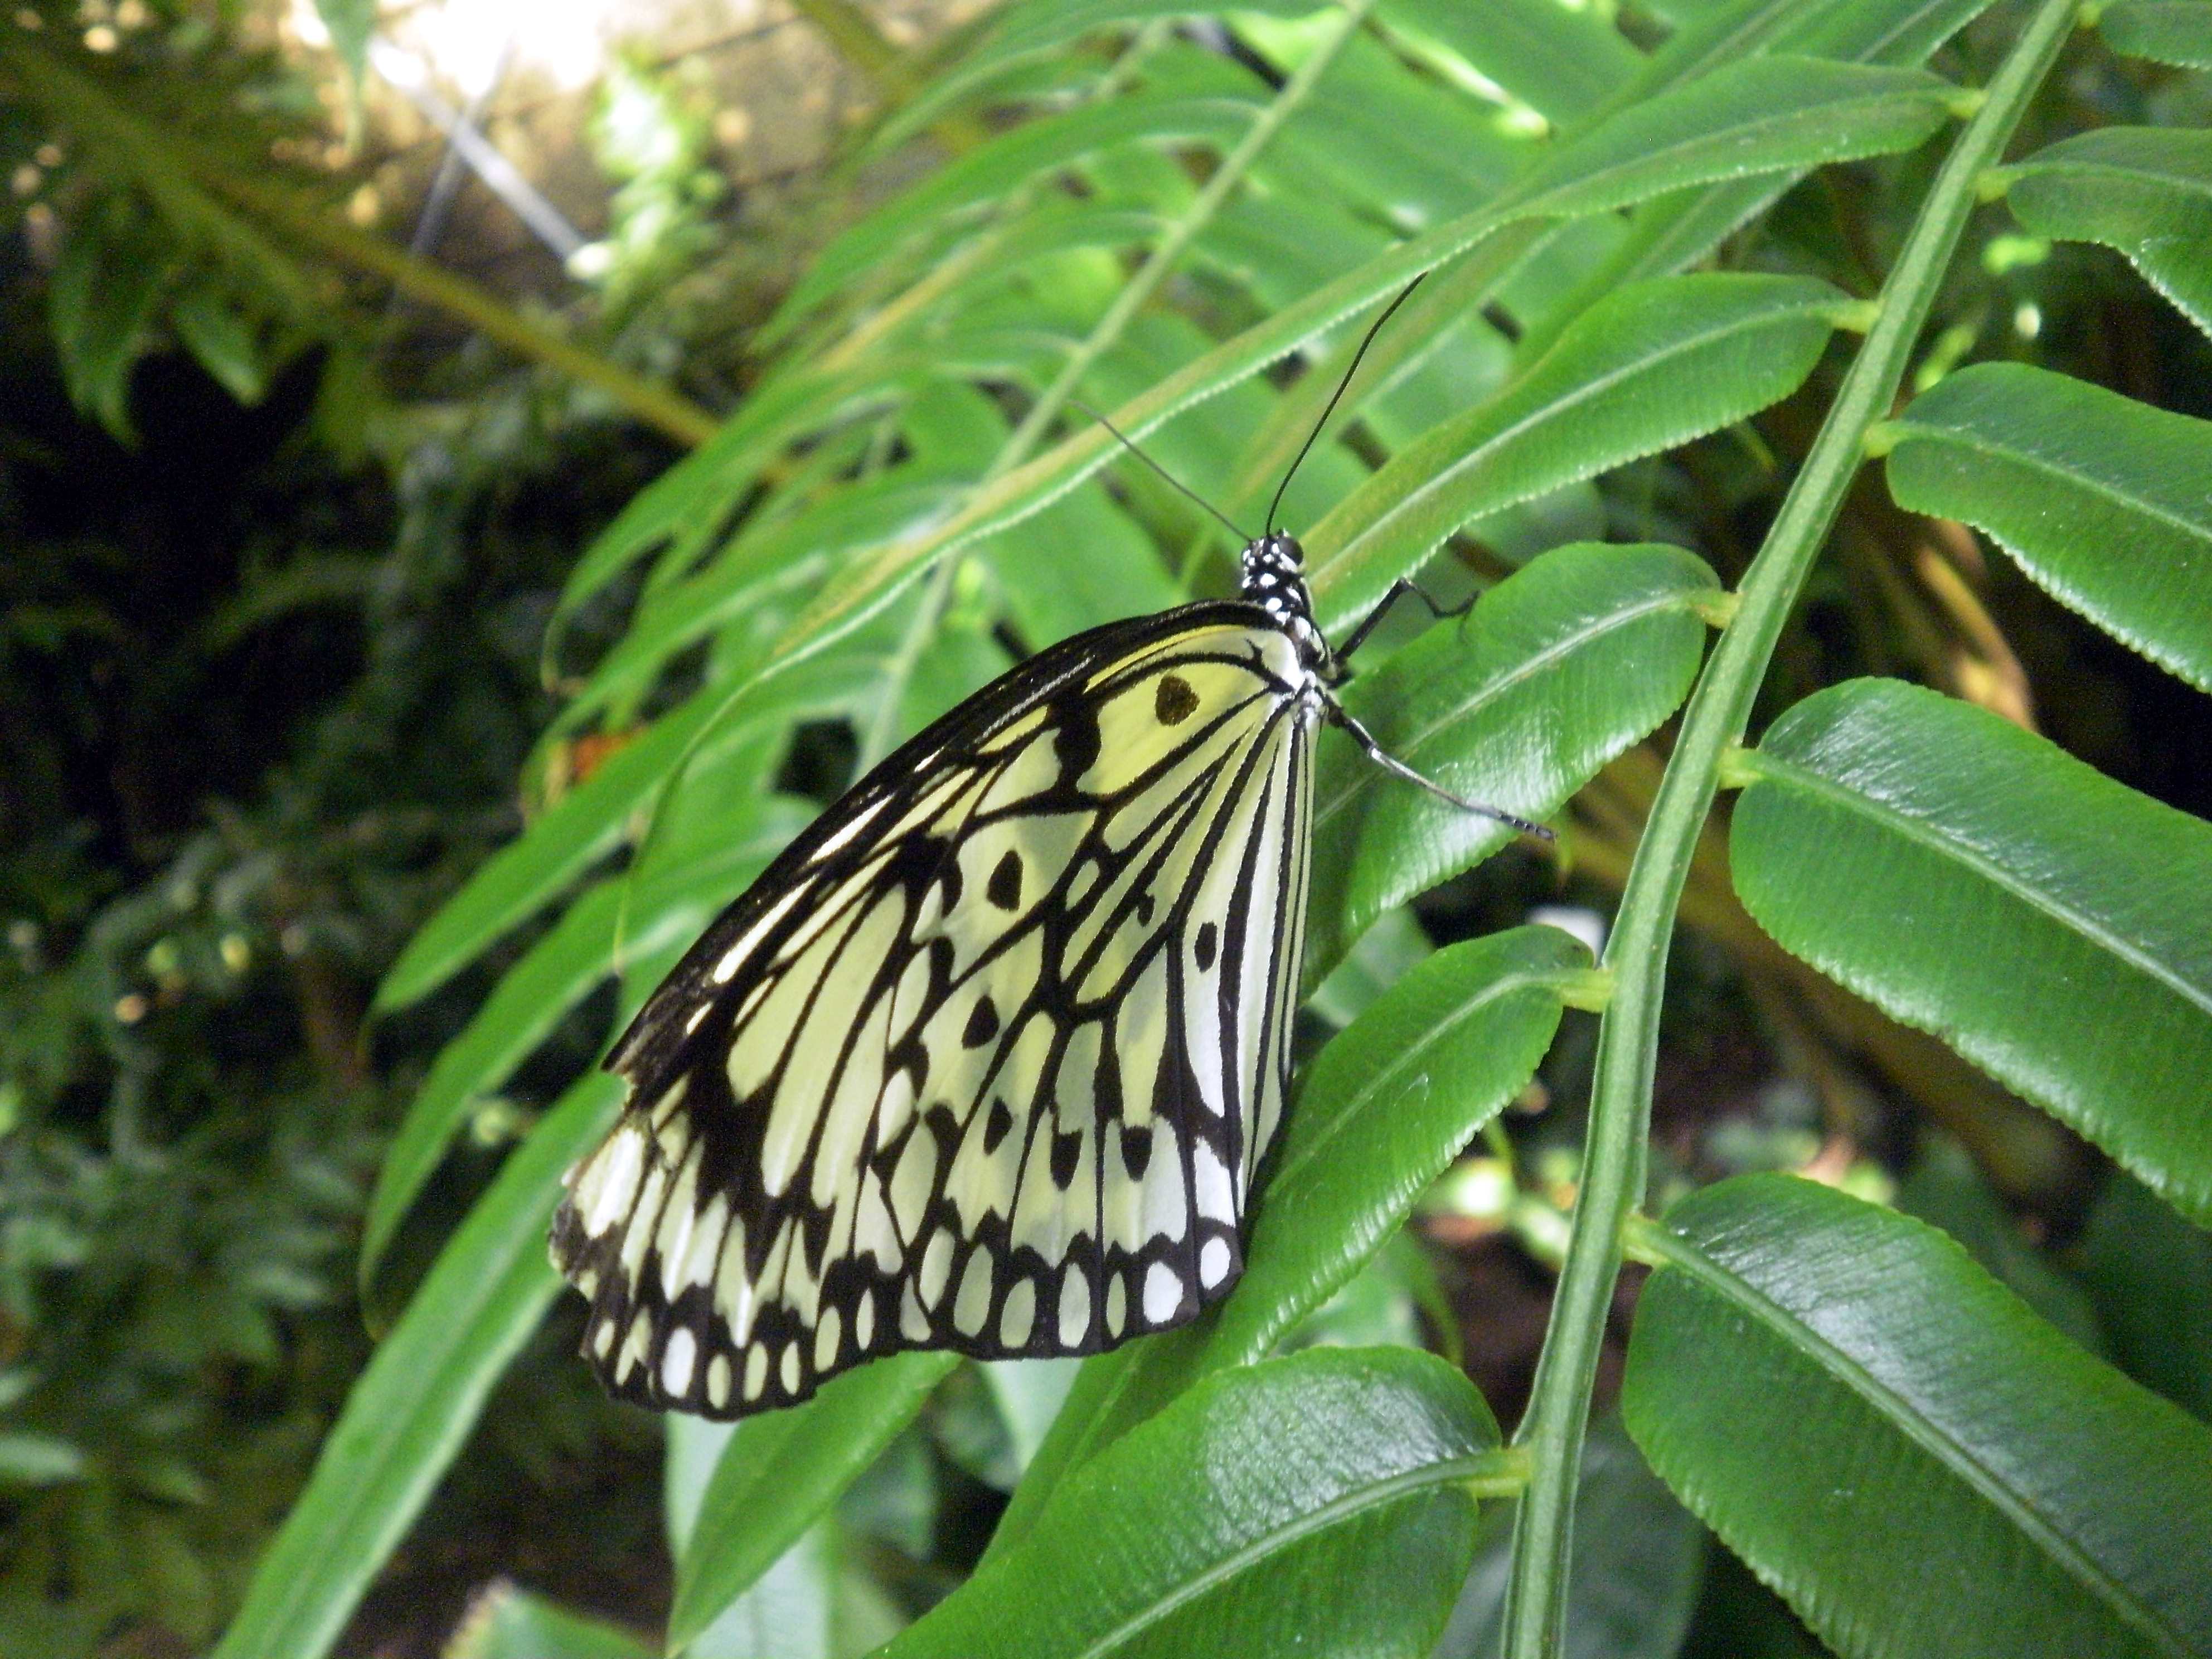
1390,763
1399,590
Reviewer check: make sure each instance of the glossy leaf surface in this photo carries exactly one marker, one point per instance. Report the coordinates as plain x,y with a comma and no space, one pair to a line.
2144,190
1974,881
1331,1514
2032,1501
2097,496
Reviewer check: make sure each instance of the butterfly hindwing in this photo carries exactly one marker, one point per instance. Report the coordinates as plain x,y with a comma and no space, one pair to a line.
986,1061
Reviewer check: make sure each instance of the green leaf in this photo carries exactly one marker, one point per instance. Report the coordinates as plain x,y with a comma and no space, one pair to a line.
790,1611
1651,366
1973,880
1029,1394
29,1458
1561,667
1562,62
777,1477
350,23
2146,192
1379,1115
2178,32
2097,497
2149,1277
505,1622
412,1408
1892,1441
1769,115
1316,1503
218,334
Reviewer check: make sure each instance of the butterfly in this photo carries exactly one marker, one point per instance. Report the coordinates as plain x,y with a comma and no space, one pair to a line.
988,1059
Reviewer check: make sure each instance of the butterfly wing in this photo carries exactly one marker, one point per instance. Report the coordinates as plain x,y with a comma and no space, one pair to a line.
986,1061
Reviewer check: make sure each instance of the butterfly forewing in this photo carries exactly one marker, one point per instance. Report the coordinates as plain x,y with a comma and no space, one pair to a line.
987,1060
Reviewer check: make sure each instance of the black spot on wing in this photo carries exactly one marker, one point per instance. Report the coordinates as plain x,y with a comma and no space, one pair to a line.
1004,887
1209,942
998,1125
1174,701
1136,1150
1067,1149
983,1024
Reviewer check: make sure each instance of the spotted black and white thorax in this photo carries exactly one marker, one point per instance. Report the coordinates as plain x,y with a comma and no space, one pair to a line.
1272,575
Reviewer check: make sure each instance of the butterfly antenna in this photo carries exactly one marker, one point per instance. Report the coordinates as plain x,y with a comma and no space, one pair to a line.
1129,445
1374,329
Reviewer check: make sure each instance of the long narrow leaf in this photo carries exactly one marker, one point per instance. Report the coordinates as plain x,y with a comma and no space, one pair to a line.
410,1410
1802,1361
1768,114
1652,366
1972,879
2099,498
1336,1519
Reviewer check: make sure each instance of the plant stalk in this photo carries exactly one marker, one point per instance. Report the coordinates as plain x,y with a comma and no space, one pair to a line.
1719,710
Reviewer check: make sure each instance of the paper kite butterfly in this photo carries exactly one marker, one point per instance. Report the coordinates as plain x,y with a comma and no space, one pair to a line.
986,1059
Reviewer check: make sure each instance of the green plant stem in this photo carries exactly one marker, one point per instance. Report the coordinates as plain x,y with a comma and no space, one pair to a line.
1109,328
1719,710
182,180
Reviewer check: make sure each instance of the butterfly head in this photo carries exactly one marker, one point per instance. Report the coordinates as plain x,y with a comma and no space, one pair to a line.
1272,576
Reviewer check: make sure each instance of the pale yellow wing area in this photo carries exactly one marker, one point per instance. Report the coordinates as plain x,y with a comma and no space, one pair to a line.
987,1059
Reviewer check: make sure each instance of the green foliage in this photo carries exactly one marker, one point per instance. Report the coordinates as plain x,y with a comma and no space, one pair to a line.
2059,922
263,706
151,260
1654,250
1336,1512
2056,470
1901,1374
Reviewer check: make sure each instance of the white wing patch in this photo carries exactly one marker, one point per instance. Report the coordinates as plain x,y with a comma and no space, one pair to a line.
987,1060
